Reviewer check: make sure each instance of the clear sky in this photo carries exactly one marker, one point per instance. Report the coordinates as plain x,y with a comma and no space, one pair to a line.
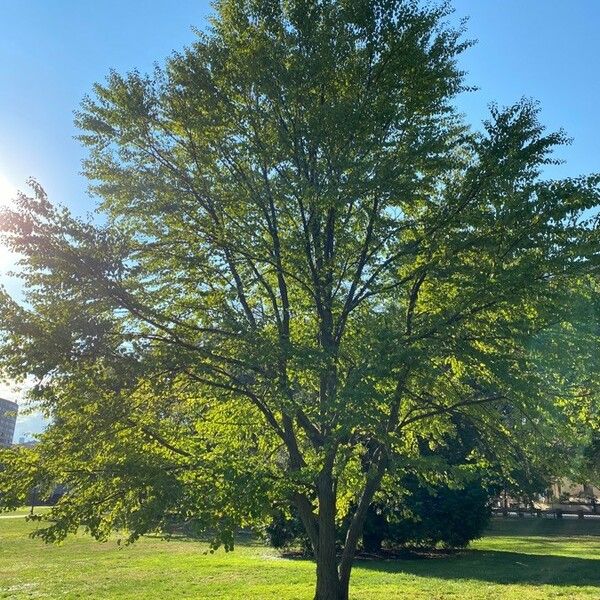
52,51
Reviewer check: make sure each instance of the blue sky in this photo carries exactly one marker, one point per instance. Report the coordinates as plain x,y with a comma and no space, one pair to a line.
51,53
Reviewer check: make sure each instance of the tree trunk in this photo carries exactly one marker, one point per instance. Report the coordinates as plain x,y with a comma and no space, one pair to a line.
329,586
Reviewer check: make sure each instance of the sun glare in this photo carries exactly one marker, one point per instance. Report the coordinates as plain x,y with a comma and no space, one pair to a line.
7,191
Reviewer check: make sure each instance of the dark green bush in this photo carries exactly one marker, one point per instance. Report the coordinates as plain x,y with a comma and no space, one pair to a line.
427,516
435,516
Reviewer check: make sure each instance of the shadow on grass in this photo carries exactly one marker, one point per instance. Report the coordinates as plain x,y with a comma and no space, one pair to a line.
557,528
498,567
492,566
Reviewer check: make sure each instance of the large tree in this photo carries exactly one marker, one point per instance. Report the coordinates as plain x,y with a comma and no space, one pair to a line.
307,264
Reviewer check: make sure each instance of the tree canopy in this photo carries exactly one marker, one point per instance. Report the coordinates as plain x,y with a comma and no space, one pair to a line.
308,264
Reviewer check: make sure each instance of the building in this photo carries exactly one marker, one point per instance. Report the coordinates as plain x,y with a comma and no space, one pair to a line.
25,443
8,420
568,491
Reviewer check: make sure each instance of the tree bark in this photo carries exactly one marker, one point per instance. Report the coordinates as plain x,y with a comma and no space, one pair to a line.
329,586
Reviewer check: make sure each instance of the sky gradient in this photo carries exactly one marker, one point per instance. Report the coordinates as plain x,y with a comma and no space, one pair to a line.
51,53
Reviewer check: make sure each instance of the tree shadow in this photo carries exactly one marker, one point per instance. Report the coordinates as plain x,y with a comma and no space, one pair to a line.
498,567
557,530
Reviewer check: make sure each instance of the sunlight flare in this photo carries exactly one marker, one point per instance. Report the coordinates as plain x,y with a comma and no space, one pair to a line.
7,191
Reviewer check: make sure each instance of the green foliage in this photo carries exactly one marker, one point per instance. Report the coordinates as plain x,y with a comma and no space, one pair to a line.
310,264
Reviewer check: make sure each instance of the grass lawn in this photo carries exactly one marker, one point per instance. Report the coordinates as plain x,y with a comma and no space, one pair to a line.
517,559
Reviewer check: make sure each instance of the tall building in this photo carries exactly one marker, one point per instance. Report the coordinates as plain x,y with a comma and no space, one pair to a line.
8,420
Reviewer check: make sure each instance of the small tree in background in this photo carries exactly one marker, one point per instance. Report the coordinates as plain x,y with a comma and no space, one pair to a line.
310,264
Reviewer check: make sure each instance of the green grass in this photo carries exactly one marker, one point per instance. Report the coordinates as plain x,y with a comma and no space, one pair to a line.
520,560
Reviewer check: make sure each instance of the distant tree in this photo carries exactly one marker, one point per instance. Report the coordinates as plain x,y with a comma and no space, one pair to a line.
591,460
585,466
307,263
